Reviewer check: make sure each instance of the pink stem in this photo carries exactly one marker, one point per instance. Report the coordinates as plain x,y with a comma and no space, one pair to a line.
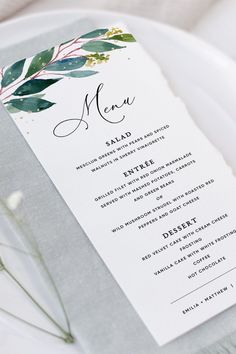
72,51
10,87
50,73
59,51
7,97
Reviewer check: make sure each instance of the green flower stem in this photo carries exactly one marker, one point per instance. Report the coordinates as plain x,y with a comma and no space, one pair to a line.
21,228
50,278
58,295
31,324
35,302
18,250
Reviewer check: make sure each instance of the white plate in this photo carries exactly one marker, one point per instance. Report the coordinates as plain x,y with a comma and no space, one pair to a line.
200,74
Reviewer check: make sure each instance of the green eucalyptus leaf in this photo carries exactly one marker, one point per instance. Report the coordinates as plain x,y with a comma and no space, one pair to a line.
81,73
12,73
34,86
12,109
124,37
67,64
31,104
100,46
39,61
95,34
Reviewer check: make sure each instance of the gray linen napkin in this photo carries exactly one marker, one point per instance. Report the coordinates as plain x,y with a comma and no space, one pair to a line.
102,318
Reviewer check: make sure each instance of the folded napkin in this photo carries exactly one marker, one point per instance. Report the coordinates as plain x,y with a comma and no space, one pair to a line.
102,318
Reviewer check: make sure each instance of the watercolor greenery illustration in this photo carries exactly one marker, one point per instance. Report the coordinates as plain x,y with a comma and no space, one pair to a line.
23,84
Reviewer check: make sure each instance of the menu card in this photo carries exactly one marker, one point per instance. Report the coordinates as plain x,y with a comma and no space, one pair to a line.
156,199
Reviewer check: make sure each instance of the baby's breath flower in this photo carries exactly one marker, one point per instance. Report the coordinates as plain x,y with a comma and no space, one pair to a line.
113,31
14,200
91,62
97,58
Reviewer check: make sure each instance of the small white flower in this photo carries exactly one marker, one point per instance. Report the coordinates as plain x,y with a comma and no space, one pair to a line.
14,200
